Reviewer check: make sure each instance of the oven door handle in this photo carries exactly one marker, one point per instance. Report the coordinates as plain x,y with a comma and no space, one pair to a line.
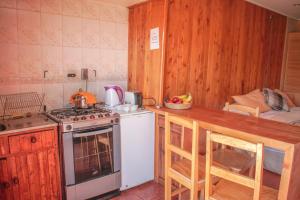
78,135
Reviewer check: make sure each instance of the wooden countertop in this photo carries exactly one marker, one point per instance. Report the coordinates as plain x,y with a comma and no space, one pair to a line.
271,131
35,122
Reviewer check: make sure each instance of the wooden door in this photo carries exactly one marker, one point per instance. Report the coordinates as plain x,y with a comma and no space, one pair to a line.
36,175
31,176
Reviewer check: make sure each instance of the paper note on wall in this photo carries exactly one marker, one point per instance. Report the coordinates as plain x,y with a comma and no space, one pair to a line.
154,38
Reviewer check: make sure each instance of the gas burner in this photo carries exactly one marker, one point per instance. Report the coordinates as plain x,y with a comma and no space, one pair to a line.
71,112
75,115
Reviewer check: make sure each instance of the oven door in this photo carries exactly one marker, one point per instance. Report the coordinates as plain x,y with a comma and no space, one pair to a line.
91,153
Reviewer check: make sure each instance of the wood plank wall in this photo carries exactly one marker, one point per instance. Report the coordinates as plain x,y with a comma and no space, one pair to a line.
145,65
213,49
219,48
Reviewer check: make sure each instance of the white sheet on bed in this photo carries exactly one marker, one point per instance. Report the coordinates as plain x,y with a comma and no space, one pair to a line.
292,117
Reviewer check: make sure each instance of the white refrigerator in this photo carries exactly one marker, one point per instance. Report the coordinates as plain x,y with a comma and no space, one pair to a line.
137,148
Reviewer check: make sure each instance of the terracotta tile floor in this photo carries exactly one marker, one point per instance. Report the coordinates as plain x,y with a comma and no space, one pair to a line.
155,191
147,191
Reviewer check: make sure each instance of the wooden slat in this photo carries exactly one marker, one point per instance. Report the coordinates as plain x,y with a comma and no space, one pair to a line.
243,180
14,144
23,175
259,171
208,179
5,177
195,161
168,159
179,191
180,121
180,152
54,175
14,174
157,161
34,173
44,174
4,149
182,179
233,142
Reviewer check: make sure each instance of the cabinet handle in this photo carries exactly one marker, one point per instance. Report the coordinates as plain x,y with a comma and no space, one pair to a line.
15,181
33,139
3,158
4,185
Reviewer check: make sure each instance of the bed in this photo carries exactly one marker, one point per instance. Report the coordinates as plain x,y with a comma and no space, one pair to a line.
273,158
292,117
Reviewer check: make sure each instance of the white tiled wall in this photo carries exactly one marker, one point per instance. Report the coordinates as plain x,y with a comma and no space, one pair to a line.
61,37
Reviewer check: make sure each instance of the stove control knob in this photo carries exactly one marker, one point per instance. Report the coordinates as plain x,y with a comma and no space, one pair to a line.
75,119
100,115
117,120
83,118
107,115
92,117
69,127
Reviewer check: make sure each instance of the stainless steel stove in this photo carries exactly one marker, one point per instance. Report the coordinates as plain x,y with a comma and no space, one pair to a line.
91,151
74,118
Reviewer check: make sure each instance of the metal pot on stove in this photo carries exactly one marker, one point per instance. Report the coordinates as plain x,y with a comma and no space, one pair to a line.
80,101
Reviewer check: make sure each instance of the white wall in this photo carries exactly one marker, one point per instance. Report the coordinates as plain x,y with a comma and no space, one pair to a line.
61,37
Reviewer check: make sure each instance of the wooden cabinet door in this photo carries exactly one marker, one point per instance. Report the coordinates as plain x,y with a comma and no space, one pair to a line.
32,176
5,178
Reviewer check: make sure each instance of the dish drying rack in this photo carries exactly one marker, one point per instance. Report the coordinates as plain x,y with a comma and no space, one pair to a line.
18,105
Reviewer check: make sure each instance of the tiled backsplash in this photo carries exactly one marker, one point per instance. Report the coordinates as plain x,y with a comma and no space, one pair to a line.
61,37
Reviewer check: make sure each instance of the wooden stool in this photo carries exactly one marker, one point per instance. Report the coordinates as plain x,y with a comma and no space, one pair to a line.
189,170
234,186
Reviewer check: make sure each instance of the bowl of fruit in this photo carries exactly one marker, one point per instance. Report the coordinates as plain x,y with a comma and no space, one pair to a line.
179,102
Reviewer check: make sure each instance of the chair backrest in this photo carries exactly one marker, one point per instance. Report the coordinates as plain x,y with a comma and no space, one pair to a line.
169,147
257,149
240,108
183,123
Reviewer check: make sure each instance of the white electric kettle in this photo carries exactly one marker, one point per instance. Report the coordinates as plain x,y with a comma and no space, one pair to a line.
114,95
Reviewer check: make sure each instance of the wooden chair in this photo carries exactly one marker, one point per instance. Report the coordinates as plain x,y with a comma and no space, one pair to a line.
236,160
235,186
189,170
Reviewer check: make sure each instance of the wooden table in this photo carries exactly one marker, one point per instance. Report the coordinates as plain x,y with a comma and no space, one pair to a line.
273,134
